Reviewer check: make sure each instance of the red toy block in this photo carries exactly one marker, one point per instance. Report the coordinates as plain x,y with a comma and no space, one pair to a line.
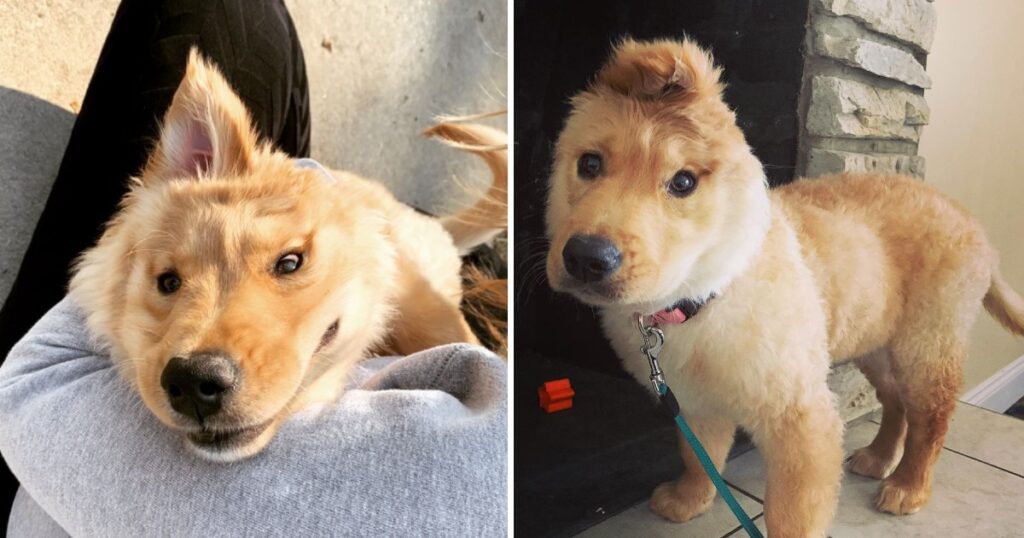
556,395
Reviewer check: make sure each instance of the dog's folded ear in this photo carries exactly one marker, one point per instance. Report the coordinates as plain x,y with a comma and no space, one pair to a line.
205,132
662,69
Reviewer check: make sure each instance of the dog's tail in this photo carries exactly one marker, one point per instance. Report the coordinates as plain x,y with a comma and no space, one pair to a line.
488,217
1005,304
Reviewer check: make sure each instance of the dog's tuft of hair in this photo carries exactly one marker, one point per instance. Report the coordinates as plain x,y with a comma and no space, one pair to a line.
663,69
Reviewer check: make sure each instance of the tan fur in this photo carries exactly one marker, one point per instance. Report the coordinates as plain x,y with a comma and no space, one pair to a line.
1006,305
488,216
485,301
883,270
219,208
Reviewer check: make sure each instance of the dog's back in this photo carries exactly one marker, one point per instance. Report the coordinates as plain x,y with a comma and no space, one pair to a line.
876,242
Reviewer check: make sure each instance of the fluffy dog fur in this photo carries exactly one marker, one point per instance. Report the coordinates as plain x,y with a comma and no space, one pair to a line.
218,207
881,270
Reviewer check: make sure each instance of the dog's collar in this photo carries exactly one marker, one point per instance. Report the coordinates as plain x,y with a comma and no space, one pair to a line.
678,313
312,164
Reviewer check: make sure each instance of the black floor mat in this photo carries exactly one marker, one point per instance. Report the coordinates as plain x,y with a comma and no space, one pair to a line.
575,468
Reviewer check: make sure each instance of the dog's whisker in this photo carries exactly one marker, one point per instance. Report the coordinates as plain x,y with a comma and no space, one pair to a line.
534,275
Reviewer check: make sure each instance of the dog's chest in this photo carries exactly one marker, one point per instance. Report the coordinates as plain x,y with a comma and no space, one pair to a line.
688,363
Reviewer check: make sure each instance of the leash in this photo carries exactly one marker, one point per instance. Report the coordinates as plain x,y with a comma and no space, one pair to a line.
654,339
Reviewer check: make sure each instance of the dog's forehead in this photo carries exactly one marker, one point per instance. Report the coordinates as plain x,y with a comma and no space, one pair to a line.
248,197
621,123
225,217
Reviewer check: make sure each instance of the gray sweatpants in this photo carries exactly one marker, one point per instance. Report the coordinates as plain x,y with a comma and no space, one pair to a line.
416,448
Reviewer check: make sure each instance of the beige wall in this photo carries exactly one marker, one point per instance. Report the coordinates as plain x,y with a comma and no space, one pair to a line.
974,146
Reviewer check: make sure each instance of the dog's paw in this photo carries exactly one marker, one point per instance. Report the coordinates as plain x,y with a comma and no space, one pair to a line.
900,499
681,501
865,462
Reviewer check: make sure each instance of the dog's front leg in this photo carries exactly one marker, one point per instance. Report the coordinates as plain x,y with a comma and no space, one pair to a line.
803,453
692,494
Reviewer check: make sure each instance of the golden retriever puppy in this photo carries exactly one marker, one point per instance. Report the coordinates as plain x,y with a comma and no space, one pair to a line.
656,201
236,285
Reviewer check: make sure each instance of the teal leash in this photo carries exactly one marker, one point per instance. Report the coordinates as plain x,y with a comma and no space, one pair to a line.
672,405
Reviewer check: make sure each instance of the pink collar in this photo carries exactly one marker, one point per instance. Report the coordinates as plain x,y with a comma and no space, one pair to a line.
677,314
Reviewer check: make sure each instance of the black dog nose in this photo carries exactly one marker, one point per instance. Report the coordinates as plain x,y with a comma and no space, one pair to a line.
196,386
590,258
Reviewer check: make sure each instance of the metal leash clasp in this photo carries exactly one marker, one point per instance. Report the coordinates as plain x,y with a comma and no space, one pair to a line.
654,340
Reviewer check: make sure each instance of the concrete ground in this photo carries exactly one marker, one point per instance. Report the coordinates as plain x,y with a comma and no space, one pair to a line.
379,71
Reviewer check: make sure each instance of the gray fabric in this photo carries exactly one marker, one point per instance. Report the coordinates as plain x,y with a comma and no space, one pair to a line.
418,449
28,519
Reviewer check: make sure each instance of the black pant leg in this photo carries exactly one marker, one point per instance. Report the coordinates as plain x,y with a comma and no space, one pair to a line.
142,61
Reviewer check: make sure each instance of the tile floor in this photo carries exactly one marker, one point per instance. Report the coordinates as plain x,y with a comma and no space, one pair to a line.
978,490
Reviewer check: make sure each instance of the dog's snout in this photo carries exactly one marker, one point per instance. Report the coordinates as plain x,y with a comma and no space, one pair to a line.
197,385
591,258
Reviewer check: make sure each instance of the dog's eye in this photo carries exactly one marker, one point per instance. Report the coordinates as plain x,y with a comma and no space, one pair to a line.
289,263
589,166
168,283
682,184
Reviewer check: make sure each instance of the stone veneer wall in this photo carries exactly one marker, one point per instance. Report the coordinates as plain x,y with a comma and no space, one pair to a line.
863,109
863,100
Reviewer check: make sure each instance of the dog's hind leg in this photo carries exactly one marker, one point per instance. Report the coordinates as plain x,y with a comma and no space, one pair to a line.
692,494
878,459
927,367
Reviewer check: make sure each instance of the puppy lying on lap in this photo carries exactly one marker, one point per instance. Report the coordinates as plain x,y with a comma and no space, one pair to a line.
656,200
235,286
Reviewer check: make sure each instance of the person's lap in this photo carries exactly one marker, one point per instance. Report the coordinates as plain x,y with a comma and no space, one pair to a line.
416,446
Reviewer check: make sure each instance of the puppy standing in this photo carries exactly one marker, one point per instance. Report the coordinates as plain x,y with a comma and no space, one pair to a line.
655,198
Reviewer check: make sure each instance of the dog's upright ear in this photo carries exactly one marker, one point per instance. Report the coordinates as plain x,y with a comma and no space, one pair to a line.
205,132
662,69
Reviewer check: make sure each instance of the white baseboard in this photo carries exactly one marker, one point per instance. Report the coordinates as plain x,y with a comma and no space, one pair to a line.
1000,391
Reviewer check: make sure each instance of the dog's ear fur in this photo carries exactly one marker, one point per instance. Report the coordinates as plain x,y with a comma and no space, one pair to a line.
206,131
663,69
